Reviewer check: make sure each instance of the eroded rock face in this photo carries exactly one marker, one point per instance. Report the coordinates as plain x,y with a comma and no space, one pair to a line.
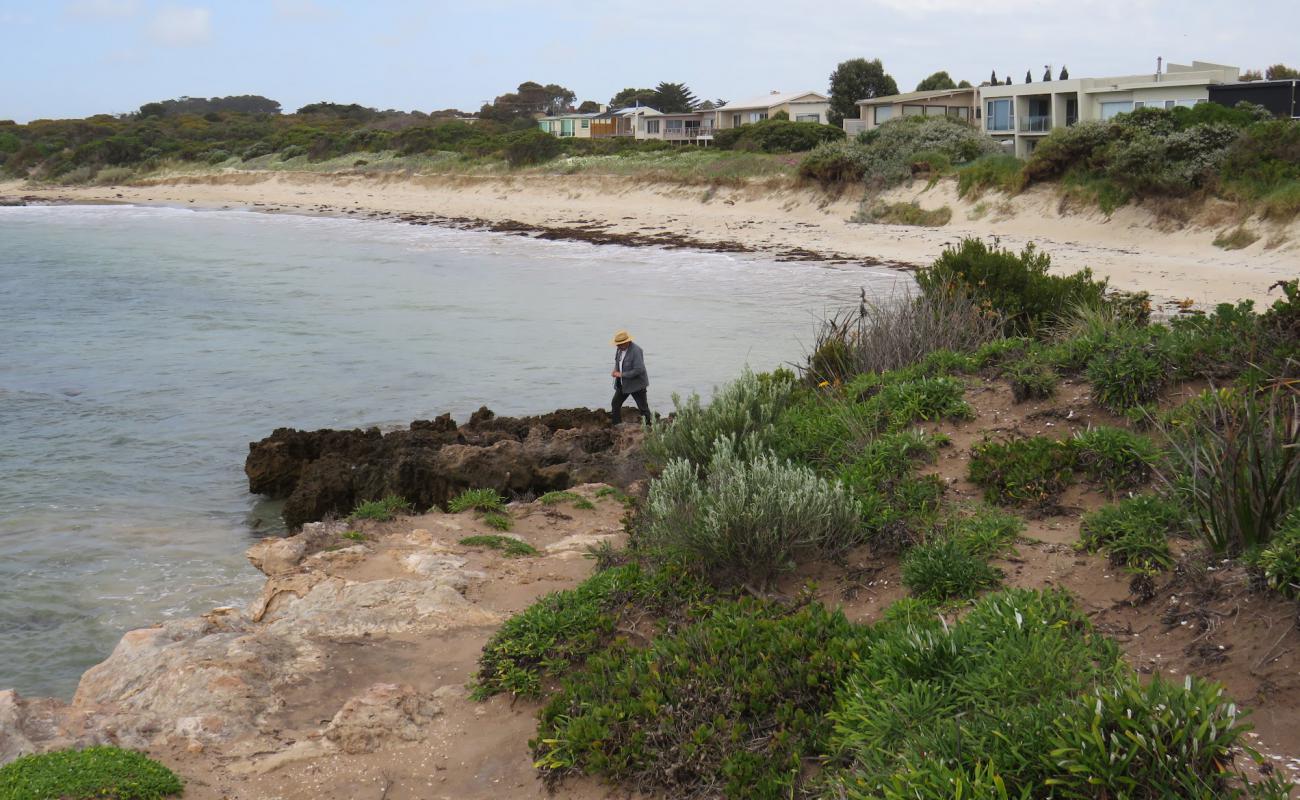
330,471
385,712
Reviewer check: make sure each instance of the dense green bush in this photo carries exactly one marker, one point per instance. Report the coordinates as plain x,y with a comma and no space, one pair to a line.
944,569
561,630
1025,471
1279,561
381,510
930,700
743,410
1115,458
750,518
777,136
95,772
531,147
1000,172
476,500
1129,371
731,705
892,153
1015,285
1076,147
1135,532
1031,379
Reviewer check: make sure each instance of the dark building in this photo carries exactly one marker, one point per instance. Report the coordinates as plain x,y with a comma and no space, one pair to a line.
1280,97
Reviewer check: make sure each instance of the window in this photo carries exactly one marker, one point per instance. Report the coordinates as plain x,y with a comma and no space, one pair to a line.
1000,115
808,118
566,127
757,116
652,126
586,123
913,111
735,120
936,111
882,113
959,112
673,126
1109,110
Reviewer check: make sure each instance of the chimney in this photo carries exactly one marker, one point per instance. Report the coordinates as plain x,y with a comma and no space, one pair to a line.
1159,63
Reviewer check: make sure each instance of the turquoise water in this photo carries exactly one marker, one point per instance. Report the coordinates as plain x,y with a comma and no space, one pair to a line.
143,348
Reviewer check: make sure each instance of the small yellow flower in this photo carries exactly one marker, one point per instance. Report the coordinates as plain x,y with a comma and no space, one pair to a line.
823,384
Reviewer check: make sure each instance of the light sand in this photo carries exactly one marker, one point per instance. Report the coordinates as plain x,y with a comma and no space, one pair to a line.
1133,248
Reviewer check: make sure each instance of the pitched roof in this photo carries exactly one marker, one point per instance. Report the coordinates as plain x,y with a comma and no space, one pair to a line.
905,96
774,99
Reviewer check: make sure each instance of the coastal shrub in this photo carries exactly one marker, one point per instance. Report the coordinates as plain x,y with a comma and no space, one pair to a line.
1281,322
944,569
1278,562
1000,172
382,510
1217,345
561,630
743,410
578,501
1031,379
1077,147
1023,471
95,772
1233,457
892,153
904,214
532,146
1129,371
1115,458
1003,351
728,706
750,517
986,532
1135,532
834,165
879,336
476,500
978,698
1147,741
1237,238
1263,158
777,136
1015,285
1283,203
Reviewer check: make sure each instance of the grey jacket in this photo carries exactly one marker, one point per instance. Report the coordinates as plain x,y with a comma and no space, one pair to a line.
635,378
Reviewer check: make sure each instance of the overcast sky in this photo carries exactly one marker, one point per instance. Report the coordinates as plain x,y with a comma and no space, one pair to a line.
77,58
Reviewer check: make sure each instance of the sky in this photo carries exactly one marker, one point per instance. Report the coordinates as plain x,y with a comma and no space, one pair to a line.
82,57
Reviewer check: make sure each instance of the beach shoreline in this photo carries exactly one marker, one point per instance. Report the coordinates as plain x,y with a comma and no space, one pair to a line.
1133,248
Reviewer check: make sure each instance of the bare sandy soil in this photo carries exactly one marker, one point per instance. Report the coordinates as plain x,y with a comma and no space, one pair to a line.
1171,255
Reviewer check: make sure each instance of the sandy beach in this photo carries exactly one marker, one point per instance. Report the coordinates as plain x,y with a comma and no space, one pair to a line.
1173,259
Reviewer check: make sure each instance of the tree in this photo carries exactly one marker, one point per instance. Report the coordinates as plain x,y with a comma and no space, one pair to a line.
674,98
631,97
939,80
854,80
589,107
529,99
993,78
1281,72
1008,80
707,105
1065,74
1252,75
1047,73
1028,78
965,85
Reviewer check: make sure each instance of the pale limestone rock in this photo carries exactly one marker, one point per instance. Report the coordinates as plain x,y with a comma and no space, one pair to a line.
277,555
335,608
382,713
441,569
579,543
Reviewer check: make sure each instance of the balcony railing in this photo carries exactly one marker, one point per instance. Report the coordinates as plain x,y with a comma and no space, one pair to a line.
1036,124
688,133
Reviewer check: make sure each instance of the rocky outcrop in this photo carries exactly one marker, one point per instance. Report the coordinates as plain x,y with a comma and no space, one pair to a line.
329,471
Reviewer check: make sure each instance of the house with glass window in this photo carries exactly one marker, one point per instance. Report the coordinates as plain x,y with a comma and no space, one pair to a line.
568,126
956,103
1022,114
799,106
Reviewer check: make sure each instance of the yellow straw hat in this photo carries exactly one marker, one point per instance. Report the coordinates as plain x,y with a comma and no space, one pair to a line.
622,337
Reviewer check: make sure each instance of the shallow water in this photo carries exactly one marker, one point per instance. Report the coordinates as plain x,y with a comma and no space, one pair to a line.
141,349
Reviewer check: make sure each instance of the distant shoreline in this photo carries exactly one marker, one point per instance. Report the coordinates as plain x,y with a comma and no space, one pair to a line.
1134,249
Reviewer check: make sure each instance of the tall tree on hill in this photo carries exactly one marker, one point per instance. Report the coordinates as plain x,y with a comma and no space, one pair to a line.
1065,74
674,98
1281,72
588,107
529,99
632,97
1008,80
993,78
1028,78
1251,75
1047,73
939,80
854,80
965,85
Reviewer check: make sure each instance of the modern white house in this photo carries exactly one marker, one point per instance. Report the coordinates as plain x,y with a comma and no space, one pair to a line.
800,106
956,103
1022,114
638,122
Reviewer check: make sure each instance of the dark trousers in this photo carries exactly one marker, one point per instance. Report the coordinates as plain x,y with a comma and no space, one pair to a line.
642,406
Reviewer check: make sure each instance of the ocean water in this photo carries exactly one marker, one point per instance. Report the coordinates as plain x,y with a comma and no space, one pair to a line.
143,348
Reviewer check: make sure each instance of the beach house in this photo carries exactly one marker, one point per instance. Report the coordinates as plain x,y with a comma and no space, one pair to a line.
799,106
1020,115
566,126
1282,97
956,103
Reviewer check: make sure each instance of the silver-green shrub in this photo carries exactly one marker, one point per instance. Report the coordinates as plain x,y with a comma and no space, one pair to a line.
883,156
751,516
743,410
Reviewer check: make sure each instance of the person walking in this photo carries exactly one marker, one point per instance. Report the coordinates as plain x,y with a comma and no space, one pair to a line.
630,377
